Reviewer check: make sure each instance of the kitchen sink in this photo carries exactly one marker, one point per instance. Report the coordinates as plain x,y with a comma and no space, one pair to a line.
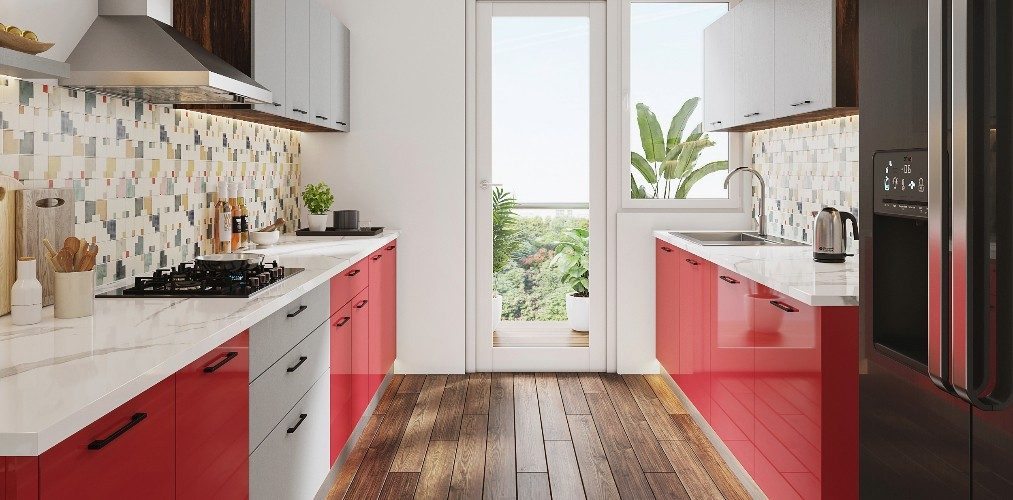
736,238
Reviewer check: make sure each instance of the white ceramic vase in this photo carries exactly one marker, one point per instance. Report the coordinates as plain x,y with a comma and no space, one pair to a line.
578,313
26,295
318,222
497,311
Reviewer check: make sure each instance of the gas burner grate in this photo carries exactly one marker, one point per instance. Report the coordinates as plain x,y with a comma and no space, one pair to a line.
188,280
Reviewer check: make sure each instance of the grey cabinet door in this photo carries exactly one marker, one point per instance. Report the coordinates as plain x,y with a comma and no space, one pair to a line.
321,26
269,52
340,96
297,59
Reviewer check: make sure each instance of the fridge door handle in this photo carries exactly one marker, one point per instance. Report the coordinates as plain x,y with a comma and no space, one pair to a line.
938,348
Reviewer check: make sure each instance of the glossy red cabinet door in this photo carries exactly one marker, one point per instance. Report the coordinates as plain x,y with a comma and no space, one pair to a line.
666,307
127,453
361,395
693,370
348,284
212,423
388,341
19,478
342,418
377,318
732,364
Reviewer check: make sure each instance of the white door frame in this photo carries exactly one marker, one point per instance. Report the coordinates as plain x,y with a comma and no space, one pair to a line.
481,355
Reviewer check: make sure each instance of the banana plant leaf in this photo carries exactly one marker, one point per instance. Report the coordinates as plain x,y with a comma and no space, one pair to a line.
637,192
645,169
650,134
670,168
700,173
678,124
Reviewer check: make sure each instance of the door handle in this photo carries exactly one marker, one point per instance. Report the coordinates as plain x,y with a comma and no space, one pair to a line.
757,113
801,103
228,357
362,304
98,444
938,349
353,273
729,279
692,262
485,184
342,322
302,417
782,306
298,312
302,359
666,249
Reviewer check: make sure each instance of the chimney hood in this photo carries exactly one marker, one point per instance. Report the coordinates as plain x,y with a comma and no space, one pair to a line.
132,51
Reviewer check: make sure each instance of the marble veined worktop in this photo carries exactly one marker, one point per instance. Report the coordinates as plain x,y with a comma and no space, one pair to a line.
60,375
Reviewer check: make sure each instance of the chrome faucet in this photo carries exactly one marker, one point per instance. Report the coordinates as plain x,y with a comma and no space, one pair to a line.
763,193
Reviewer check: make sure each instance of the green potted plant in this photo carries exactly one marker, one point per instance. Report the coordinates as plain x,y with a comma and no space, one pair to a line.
318,200
504,242
572,258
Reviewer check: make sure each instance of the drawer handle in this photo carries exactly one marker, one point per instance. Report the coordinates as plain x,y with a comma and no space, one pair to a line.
377,257
391,247
98,444
300,111
353,273
302,359
728,279
301,309
666,249
693,262
751,114
228,357
801,103
342,321
341,123
362,304
782,306
302,417
321,117
276,104
717,122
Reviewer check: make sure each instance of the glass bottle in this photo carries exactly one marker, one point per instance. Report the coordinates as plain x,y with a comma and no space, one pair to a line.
223,220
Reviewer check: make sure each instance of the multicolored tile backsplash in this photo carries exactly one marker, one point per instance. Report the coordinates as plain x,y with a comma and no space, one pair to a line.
144,176
806,167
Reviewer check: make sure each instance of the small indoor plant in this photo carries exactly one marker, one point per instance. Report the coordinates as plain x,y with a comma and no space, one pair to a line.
318,199
572,259
504,242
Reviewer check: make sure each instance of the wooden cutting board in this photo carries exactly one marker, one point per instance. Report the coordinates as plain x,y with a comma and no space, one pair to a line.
8,258
43,214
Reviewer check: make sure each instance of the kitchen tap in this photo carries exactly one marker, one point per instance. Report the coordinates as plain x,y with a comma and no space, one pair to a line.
762,216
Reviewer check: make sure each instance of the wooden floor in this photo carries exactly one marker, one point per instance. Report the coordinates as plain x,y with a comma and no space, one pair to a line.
537,334
532,436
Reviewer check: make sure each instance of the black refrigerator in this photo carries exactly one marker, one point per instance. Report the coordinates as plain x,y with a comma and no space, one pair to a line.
936,146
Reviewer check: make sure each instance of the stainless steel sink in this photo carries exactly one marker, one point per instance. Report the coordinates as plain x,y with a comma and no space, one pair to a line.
736,238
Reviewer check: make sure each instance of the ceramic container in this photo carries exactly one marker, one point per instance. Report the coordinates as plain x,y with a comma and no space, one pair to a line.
318,222
75,294
26,294
265,238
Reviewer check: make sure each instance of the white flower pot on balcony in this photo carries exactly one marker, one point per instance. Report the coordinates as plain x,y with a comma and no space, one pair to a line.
497,311
578,313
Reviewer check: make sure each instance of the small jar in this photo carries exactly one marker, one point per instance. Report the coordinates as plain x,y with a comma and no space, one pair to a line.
26,294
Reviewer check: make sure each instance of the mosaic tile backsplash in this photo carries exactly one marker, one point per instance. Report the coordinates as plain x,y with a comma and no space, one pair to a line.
806,167
144,176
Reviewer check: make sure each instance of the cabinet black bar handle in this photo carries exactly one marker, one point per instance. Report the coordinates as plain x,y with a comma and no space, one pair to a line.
229,356
341,123
353,273
391,247
302,359
301,309
666,249
362,304
728,279
377,257
693,262
751,114
319,117
98,444
342,321
801,103
717,122
276,104
302,416
297,110
782,306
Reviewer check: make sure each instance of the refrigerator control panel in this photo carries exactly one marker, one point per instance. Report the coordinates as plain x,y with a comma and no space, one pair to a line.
902,183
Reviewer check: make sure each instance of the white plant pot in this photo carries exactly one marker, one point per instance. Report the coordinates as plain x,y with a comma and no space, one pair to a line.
318,222
578,313
497,311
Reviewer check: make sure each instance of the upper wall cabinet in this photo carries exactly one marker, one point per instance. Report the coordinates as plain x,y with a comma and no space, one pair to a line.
295,48
792,61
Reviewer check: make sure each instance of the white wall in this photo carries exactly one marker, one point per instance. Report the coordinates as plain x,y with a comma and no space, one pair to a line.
402,164
62,22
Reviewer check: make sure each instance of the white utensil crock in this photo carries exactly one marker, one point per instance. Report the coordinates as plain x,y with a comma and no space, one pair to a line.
75,294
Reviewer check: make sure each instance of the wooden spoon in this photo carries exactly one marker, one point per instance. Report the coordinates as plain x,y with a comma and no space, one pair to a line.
71,244
82,250
51,254
88,263
65,259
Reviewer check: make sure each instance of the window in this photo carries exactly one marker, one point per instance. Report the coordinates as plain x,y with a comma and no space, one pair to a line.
673,163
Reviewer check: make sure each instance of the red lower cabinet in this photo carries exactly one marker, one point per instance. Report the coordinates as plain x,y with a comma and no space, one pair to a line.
343,420
377,318
732,364
388,336
691,357
19,478
361,393
212,423
127,453
666,306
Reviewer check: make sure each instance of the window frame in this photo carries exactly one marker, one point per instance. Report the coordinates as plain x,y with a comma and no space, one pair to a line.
736,141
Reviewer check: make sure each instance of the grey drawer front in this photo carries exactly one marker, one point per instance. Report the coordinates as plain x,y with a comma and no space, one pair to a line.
278,333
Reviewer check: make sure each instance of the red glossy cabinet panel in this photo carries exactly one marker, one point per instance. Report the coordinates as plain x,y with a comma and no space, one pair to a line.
348,284
212,423
127,453
666,306
732,364
693,369
19,478
388,341
377,318
343,420
361,394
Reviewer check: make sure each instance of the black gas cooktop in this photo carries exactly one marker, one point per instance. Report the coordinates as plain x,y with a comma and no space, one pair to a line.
187,280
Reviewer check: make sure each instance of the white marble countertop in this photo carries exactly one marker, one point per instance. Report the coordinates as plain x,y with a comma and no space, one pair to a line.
787,269
58,376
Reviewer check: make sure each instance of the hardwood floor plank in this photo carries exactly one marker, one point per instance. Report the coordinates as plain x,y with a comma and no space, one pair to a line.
438,469
533,486
368,478
711,461
642,437
412,452
594,467
500,461
667,485
572,393
469,464
528,426
448,418
654,411
564,473
591,383
550,406
388,395
399,486
411,383
622,459
694,477
355,457
668,398
477,402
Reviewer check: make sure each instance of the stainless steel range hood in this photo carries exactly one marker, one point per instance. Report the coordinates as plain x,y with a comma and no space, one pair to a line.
128,53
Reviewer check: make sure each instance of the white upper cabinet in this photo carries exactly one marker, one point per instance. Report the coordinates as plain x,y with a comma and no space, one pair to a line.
269,52
320,62
340,71
803,56
718,76
297,59
753,64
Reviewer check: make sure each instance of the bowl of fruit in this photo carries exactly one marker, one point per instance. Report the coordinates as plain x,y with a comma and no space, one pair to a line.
12,37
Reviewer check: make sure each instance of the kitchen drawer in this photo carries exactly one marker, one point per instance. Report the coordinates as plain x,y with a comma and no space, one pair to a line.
292,462
279,332
274,392
348,283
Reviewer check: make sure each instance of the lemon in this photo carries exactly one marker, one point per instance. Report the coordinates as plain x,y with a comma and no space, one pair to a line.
3,27
31,36
14,30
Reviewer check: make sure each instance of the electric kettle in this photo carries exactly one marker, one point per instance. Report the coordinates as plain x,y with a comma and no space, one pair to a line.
830,235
